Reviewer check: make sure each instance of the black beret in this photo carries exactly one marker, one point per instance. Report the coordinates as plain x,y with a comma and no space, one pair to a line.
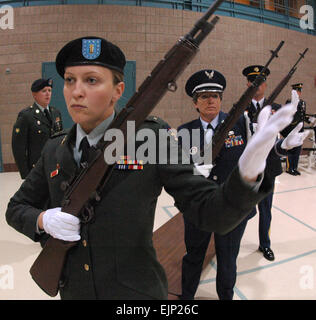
90,51
39,84
297,86
206,80
251,72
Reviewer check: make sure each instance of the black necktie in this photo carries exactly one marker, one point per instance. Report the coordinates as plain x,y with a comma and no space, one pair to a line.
208,135
48,116
258,106
209,126
84,147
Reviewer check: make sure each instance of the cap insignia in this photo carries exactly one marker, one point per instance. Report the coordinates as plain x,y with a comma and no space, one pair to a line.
91,48
209,75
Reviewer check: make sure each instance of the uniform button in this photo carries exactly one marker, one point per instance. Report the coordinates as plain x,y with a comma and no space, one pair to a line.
84,243
86,267
39,131
64,185
214,177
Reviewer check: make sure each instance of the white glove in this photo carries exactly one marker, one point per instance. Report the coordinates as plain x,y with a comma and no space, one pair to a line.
61,225
295,138
203,169
253,160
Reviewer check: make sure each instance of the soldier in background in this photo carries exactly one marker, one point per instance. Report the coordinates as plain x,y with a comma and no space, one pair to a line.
300,116
206,88
34,126
273,167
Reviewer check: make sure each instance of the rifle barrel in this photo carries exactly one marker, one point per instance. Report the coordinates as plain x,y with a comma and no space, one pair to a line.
284,81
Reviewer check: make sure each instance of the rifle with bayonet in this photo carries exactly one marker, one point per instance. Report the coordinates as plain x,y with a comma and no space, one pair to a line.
238,108
47,269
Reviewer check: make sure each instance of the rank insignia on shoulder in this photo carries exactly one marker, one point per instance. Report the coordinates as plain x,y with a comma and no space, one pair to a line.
125,163
233,140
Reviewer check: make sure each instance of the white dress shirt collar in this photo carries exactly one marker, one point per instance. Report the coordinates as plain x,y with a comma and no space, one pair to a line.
93,137
260,102
214,122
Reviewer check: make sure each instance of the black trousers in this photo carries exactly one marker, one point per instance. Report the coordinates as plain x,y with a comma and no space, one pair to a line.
227,249
265,218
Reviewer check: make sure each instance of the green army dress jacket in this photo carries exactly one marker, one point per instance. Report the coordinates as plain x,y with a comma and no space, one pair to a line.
30,132
115,257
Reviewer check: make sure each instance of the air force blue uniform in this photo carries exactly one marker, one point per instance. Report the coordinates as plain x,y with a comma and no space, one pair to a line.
197,241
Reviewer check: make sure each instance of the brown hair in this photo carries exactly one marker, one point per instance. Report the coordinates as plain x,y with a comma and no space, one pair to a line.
117,77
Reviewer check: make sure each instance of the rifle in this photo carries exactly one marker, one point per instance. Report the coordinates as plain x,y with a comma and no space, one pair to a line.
280,87
284,81
239,107
47,269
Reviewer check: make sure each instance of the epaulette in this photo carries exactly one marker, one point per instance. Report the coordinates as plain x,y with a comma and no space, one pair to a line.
153,119
157,120
60,133
24,111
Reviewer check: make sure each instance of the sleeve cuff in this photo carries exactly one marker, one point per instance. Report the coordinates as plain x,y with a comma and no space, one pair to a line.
256,184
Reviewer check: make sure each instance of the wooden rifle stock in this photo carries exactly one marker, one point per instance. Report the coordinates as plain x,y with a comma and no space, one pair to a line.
47,269
238,108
